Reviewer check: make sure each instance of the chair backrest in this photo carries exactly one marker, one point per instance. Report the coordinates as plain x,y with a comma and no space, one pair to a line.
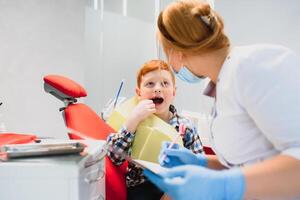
84,120
63,88
77,116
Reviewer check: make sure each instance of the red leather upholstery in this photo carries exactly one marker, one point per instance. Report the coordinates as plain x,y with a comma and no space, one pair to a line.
14,138
82,118
208,150
65,85
115,182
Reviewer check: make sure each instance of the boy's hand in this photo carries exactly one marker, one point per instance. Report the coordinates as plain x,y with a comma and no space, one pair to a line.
144,108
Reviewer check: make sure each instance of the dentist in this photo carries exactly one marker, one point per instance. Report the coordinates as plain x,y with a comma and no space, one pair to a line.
255,131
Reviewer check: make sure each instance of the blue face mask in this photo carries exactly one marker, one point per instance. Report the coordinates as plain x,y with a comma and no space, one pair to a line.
186,75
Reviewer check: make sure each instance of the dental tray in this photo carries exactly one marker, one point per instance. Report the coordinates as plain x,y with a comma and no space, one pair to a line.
38,149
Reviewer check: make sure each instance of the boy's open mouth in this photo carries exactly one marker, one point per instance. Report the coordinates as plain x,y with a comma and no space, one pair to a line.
157,100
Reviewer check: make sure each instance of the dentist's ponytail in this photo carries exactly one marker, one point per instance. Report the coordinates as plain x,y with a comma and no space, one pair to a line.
191,26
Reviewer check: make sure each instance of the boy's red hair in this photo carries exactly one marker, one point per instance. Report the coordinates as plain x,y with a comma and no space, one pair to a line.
150,66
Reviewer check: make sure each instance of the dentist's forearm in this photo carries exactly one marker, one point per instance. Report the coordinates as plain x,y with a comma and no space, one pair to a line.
277,178
214,163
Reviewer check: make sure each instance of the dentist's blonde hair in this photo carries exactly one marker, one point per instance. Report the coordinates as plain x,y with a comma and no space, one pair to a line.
191,26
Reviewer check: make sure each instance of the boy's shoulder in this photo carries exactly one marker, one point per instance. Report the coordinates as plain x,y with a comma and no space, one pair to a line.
186,121
180,119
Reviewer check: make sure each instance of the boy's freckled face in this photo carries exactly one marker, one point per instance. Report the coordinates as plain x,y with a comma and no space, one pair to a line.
158,86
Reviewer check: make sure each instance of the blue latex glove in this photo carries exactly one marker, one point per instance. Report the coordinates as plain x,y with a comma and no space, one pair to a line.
177,156
199,183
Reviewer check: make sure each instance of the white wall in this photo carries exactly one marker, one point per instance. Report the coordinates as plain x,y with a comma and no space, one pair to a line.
38,38
268,21
50,36
116,46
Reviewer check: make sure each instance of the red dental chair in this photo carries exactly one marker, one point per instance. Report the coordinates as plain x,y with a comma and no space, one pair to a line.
83,119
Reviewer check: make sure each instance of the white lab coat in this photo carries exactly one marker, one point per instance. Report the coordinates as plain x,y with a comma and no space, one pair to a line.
257,107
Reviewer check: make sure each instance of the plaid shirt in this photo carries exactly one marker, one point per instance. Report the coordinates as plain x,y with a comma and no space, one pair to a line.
122,143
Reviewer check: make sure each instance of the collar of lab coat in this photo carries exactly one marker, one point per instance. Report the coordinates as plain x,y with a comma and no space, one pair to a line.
211,87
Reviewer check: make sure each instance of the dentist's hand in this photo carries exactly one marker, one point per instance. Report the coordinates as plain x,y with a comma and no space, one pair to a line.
177,156
199,183
143,110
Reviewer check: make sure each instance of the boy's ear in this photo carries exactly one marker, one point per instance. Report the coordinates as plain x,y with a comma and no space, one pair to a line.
138,92
174,91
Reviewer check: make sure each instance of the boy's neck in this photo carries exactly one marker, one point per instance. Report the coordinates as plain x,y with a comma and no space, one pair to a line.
165,116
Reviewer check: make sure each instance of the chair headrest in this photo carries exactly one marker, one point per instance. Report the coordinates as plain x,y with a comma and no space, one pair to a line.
63,87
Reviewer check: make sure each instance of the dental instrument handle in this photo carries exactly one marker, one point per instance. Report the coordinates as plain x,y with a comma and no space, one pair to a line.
118,93
181,133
